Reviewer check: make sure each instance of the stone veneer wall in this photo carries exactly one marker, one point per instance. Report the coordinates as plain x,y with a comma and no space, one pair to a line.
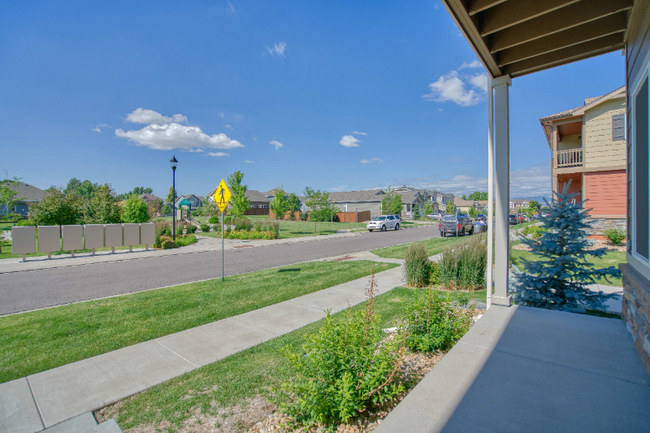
636,310
599,225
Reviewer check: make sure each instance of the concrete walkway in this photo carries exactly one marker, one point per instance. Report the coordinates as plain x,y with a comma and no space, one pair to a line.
45,399
523,369
205,243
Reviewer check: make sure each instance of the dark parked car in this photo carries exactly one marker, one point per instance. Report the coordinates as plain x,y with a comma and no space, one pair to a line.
456,225
513,220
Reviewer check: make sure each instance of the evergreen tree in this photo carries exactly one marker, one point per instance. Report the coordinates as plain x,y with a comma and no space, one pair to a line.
558,281
449,210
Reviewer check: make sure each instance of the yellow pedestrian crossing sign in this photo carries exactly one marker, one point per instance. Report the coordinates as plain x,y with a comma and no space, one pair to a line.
222,196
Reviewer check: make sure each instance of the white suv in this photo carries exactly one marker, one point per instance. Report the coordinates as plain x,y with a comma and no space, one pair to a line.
384,222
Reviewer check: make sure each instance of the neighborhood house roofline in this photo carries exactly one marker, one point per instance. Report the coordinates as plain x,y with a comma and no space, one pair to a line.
252,195
28,193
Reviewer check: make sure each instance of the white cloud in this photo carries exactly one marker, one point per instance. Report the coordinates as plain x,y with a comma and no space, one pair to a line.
359,133
451,88
249,162
98,128
277,49
371,161
349,141
277,144
218,154
524,182
175,136
472,64
229,127
479,81
147,117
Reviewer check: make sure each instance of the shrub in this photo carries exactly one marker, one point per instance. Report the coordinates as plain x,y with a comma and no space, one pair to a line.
463,265
26,222
434,324
342,370
259,226
615,236
186,240
536,231
417,268
214,219
135,210
227,220
205,228
434,276
167,244
274,226
243,224
190,228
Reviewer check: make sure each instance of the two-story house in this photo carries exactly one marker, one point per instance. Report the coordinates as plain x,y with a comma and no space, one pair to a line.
588,148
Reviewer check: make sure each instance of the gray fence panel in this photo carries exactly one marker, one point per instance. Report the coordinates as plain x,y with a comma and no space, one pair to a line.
148,233
23,240
94,236
49,239
131,235
73,238
113,235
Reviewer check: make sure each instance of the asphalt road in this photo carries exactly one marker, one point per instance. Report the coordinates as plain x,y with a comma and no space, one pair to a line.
30,290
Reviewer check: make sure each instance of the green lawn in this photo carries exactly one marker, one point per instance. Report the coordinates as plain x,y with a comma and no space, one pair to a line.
39,340
255,371
611,258
433,246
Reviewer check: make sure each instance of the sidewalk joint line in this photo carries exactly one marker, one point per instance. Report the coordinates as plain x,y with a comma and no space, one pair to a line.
175,353
38,409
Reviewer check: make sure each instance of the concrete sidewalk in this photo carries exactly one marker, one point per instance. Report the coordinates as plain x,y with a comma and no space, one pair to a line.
205,243
522,369
42,400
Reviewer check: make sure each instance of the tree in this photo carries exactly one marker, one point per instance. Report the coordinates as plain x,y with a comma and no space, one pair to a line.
155,207
477,195
85,189
449,210
473,212
321,208
428,209
558,279
416,212
102,208
171,197
293,202
279,205
138,190
392,202
166,209
533,207
464,197
135,210
8,197
239,203
57,208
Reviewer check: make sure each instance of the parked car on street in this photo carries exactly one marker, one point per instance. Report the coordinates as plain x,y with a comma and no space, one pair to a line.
480,217
434,216
459,224
384,222
513,220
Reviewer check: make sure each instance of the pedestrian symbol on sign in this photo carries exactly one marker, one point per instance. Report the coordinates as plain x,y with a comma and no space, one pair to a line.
222,196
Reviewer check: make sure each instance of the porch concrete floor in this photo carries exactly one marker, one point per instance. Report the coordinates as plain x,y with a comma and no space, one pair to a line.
522,369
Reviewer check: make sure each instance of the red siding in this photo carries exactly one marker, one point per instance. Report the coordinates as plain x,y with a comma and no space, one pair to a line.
606,193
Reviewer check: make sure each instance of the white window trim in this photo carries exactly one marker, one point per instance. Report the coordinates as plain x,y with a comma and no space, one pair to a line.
640,263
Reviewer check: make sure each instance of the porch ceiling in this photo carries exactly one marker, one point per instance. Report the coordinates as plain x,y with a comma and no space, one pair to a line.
519,37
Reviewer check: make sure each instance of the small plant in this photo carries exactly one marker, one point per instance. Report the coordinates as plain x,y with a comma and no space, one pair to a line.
168,244
243,224
343,369
185,240
463,265
615,236
205,228
417,268
434,324
214,219
259,227
536,231
434,276
190,228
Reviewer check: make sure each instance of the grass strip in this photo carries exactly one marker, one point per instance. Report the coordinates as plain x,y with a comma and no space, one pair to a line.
40,340
254,371
433,246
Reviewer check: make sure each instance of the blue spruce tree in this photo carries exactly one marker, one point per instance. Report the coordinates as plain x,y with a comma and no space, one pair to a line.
559,279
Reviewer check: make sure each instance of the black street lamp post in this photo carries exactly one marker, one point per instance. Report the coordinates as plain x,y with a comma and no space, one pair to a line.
174,163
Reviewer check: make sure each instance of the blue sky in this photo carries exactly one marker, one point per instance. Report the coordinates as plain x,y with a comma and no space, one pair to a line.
331,95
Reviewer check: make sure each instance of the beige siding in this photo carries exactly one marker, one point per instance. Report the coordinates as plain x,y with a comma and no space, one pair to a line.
600,150
569,142
373,207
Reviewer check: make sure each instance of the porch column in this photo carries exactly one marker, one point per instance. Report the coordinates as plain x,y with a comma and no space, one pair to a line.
502,155
490,204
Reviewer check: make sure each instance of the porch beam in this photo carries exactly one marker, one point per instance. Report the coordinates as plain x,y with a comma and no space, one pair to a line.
557,21
567,55
476,6
502,156
512,13
577,35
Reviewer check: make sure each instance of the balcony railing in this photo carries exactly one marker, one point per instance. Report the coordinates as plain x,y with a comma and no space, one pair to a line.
569,158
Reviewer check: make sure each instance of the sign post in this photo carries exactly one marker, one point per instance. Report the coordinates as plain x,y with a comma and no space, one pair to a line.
304,217
221,198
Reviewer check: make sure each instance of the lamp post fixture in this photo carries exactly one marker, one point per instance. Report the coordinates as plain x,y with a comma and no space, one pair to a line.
174,163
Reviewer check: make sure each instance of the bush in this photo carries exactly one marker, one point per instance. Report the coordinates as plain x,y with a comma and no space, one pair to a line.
168,244
26,222
274,226
268,235
135,210
205,228
434,276
342,370
417,267
243,224
186,240
433,324
227,220
214,219
536,231
190,228
463,265
615,236
259,226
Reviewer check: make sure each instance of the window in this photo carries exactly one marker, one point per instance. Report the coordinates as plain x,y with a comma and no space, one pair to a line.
618,127
640,178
